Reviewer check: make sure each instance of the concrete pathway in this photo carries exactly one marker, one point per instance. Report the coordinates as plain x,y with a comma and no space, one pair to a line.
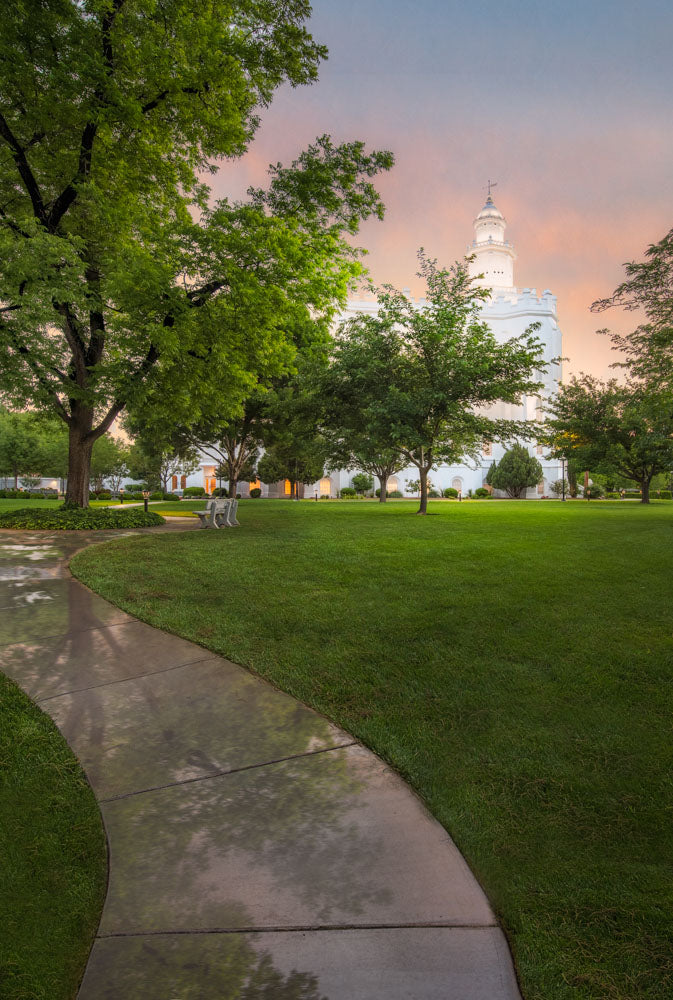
256,851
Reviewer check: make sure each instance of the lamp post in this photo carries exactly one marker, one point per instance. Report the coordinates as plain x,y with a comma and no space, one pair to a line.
146,496
121,495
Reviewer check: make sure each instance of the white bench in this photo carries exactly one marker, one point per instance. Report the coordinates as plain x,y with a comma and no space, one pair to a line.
219,513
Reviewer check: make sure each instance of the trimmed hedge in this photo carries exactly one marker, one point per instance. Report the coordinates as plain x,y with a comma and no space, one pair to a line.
171,496
255,492
347,492
481,493
25,495
193,491
75,519
450,493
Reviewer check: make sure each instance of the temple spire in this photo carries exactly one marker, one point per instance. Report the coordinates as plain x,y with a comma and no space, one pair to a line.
494,254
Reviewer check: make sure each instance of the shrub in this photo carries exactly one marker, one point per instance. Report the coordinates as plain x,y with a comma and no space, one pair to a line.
612,496
348,491
170,496
665,495
135,487
481,493
158,495
516,472
450,493
193,491
76,519
594,492
557,487
221,491
395,495
255,492
362,482
137,496
325,496
103,495
433,494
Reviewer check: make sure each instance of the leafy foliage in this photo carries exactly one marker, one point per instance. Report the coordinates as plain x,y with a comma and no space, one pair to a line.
515,472
627,428
76,518
121,284
648,288
414,378
362,483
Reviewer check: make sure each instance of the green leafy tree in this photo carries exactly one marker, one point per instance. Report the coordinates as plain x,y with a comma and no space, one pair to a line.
20,446
648,288
362,482
154,462
294,460
421,375
109,462
118,274
623,428
233,442
515,472
351,443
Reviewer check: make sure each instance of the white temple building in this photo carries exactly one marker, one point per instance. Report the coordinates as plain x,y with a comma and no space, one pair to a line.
509,311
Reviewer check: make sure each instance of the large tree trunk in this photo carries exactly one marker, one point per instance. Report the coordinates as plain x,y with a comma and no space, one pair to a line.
645,490
423,508
80,446
383,494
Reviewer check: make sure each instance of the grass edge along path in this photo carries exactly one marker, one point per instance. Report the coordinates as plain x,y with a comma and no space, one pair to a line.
54,856
512,661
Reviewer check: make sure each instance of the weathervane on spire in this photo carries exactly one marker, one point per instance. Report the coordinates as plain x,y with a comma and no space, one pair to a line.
491,184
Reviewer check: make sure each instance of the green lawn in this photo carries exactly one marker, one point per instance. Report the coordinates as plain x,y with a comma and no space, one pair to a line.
53,856
512,660
182,508
6,505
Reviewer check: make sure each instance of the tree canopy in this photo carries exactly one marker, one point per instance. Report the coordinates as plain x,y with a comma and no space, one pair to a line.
118,274
609,426
648,350
417,381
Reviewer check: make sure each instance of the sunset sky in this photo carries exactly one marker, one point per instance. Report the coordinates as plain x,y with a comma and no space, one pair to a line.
567,106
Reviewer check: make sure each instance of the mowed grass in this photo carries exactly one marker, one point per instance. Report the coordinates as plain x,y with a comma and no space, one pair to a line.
512,660
6,505
52,856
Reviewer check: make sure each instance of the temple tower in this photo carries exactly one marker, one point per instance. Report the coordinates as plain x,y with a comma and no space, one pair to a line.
494,255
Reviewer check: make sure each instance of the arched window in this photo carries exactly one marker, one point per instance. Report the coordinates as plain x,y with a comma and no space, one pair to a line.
256,485
457,483
392,484
288,488
325,486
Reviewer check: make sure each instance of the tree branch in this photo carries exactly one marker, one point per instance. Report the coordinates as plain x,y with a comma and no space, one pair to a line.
25,172
119,403
44,382
156,101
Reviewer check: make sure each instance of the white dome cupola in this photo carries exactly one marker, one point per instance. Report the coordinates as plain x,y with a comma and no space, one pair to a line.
494,256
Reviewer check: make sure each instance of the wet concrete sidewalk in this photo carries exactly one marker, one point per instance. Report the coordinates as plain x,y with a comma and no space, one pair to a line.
256,851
